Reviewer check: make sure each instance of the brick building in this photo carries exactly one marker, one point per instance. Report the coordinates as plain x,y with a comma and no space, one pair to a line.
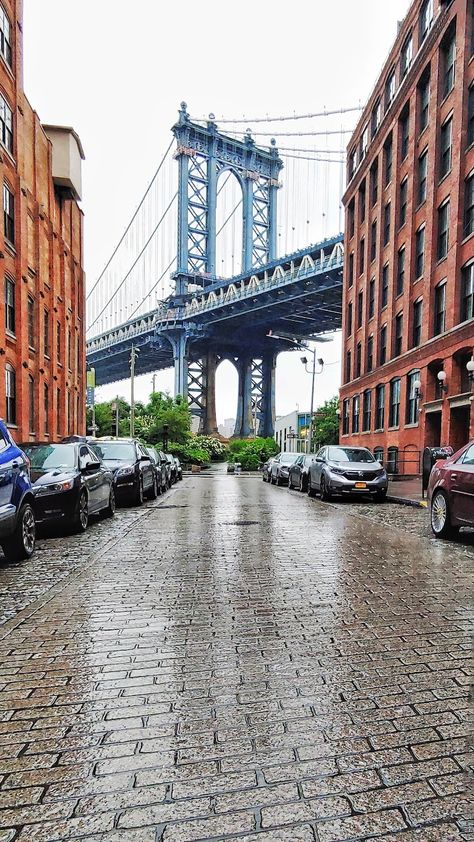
408,306
42,344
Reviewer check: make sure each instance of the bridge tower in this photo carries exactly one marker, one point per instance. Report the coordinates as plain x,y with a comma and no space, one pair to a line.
203,154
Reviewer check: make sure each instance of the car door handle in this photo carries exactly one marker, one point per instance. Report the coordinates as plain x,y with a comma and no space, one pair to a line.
454,476
16,466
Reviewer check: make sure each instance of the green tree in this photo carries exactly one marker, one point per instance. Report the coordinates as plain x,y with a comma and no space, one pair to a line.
326,423
161,410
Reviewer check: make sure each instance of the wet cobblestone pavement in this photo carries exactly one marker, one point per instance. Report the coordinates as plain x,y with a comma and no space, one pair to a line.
237,662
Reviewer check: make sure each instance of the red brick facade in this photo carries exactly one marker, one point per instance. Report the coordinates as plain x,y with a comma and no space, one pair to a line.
407,251
42,330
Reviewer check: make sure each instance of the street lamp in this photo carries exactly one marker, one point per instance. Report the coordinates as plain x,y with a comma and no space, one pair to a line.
442,381
417,393
470,371
313,372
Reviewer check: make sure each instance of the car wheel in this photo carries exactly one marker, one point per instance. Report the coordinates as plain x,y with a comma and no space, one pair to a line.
440,516
109,511
21,544
301,483
324,492
153,492
138,496
310,490
381,496
81,516
290,484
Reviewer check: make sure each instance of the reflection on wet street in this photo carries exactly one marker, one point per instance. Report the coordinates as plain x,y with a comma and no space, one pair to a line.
236,662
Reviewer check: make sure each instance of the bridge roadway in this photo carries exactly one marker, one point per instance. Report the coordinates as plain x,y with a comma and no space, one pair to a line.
299,294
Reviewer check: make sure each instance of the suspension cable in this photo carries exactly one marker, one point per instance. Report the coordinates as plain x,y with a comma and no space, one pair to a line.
134,262
152,288
229,218
313,151
317,160
282,118
131,221
292,134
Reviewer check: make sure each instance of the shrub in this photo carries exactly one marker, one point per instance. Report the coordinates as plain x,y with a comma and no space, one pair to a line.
252,452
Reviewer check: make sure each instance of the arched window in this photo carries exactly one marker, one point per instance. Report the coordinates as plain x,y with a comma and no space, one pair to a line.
10,394
378,454
5,37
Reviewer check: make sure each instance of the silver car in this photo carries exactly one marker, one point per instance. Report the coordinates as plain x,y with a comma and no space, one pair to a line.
281,468
347,470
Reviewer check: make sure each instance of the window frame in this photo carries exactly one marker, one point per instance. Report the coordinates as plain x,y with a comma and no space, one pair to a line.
394,405
10,305
8,213
442,239
10,395
467,291
439,315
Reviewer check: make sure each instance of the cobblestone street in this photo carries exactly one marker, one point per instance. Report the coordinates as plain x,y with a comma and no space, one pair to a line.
238,662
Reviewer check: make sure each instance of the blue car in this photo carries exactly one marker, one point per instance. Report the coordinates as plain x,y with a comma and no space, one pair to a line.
17,520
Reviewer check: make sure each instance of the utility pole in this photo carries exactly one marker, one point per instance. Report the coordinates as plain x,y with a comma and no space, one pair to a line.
313,373
115,408
133,356
153,380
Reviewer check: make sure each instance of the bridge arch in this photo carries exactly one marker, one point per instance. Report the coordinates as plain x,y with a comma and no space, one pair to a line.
229,223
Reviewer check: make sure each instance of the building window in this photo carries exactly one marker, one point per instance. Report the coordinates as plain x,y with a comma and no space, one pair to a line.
443,230
392,460
362,202
403,202
69,351
419,252
406,55
384,291
422,176
31,321
386,223
398,335
373,241
46,333
349,318
374,178
383,345
394,413
371,298
426,18
6,124
352,163
412,399
400,270
358,371
31,403
8,213
467,292
351,268
58,412
446,146
361,255
440,308
470,116
360,308
10,394
370,354
376,118
380,407
350,218
69,415
345,417
355,413
46,407
364,142
5,37
58,341
448,55
417,322
9,304
424,100
390,89
404,132
78,356
348,366
469,206
388,156
367,411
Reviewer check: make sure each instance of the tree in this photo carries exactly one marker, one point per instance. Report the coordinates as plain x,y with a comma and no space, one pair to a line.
162,410
326,423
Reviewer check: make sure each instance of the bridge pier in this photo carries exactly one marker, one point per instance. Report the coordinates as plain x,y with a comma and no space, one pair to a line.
209,421
267,421
179,344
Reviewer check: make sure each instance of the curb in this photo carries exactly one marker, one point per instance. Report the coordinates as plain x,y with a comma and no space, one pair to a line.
405,501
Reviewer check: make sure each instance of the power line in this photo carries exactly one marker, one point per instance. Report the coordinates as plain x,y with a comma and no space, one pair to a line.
131,221
282,118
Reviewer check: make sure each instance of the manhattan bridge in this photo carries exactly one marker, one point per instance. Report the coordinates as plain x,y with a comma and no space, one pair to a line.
199,277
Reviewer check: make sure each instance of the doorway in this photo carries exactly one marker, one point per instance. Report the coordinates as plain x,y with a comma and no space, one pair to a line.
459,426
433,429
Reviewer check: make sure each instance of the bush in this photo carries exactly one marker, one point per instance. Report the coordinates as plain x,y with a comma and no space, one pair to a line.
190,452
217,450
251,453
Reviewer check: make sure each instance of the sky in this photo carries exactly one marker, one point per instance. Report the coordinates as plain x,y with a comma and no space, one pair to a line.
117,72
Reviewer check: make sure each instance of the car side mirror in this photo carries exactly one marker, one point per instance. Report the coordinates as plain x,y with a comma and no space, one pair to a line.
145,458
319,459
90,468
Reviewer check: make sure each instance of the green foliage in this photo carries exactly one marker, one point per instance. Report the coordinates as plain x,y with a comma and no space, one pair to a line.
105,418
217,450
252,452
326,423
150,418
190,452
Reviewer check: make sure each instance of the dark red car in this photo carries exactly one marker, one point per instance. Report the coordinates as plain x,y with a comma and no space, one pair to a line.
451,493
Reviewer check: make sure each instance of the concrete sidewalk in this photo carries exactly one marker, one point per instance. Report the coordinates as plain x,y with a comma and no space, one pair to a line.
407,491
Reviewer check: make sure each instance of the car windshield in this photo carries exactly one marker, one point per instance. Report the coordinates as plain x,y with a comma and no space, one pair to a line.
46,457
288,458
349,454
119,451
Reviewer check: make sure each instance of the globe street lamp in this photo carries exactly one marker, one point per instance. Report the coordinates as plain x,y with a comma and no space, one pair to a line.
313,372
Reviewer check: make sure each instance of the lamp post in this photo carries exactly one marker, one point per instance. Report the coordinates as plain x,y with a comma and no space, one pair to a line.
133,356
313,373
441,377
470,371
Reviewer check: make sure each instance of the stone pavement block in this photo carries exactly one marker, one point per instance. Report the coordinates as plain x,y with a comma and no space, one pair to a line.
418,771
167,812
358,827
390,796
317,808
216,826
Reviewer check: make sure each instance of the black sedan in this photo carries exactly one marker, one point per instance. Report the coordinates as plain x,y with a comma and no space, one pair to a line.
133,470
298,473
69,483
161,466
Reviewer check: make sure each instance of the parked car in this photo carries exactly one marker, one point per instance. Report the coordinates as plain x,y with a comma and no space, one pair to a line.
280,468
451,493
162,469
17,519
134,474
347,470
69,483
172,464
298,473
179,470
267,469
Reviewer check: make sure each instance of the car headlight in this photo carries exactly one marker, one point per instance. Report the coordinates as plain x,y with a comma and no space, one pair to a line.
56,487
339,471
125,472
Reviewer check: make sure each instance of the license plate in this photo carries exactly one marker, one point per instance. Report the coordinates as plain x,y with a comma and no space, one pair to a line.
361,485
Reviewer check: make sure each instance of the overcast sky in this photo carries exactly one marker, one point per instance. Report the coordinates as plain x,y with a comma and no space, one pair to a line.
118,70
